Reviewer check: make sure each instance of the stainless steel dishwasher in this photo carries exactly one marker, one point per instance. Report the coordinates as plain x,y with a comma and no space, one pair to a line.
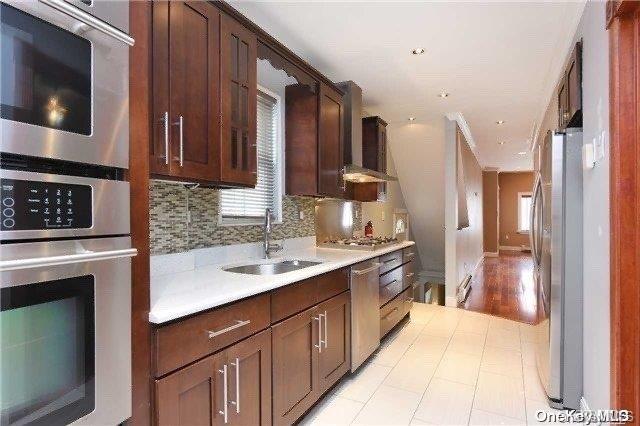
365,311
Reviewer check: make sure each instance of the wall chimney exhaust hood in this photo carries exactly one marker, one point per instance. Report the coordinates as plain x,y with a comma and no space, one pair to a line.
353,170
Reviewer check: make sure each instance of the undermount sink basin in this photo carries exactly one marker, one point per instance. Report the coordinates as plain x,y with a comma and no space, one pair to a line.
272,268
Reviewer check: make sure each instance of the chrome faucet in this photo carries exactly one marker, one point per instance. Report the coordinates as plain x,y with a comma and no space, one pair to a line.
267,246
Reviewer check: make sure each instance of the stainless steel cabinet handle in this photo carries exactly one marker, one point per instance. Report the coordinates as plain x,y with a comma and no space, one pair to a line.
225,410
88,19
180,124
237,401
411,254
410,274
364,271
326,330
390,260
409,300
238,324
320,342
165,122
390,313
389,283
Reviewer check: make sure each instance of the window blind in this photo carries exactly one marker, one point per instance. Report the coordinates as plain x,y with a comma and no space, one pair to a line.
248,205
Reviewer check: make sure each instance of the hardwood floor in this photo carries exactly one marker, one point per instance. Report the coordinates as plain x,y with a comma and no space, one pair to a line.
503,286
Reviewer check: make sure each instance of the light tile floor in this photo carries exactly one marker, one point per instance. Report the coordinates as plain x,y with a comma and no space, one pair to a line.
446,366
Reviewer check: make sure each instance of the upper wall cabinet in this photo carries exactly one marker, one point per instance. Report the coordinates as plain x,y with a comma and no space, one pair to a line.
570,91
204,95
314,139
374,143
238,56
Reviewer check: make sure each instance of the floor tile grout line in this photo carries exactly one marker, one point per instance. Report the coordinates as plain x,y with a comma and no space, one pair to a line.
475,388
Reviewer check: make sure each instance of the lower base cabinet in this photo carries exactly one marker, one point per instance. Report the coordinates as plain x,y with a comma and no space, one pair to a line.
311,352
230,387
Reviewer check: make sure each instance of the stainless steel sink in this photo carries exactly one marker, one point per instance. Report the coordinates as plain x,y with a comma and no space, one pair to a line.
272,268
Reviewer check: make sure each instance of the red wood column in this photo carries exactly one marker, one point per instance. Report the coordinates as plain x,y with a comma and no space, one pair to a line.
139,137
623,20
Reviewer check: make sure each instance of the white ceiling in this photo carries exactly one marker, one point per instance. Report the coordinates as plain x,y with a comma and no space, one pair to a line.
497,60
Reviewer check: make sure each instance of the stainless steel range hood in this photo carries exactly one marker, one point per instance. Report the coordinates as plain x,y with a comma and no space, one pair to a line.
353,170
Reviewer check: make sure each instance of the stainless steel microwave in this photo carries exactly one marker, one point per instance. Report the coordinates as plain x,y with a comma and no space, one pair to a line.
65,80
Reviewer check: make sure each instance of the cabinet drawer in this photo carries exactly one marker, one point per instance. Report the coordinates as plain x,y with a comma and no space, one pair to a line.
294,298
390,261
186,341
408,254
394,311
409,274
391,285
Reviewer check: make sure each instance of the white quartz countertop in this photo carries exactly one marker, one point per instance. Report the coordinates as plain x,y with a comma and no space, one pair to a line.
175,295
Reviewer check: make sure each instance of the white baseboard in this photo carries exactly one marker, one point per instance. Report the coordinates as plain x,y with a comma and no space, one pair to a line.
514,248
451,301
584,406
490,254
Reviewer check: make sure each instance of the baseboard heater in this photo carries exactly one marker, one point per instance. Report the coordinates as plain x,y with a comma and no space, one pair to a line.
464,288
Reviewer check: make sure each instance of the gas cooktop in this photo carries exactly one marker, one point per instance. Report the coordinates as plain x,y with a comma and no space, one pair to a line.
359,243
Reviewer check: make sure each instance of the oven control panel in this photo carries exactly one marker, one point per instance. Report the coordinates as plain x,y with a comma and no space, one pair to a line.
36,205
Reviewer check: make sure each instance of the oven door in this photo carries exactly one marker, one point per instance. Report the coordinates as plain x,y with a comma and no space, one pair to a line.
65,332
65,81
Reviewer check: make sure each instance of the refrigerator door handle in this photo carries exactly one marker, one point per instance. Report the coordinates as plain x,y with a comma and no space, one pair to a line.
533,228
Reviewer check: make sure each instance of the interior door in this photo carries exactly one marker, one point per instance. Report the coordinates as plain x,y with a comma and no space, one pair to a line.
335,357
193,83
295,346
249,381
238,64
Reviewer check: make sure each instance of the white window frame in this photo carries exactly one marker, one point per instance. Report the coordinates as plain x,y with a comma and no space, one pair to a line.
520,196
238,221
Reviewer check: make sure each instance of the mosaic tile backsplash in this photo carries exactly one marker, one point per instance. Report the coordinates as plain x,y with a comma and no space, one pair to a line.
172,233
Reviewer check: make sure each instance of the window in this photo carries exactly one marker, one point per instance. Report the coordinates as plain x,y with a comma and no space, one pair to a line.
247,206
524,211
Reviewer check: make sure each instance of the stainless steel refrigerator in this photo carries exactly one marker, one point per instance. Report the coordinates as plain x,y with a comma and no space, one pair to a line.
556,245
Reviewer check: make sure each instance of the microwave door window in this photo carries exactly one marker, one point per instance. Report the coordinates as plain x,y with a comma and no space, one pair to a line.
46,73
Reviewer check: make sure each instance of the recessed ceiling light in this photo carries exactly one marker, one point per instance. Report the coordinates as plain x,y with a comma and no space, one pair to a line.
443,95
522,153
412,119
501,142
418,51
500,122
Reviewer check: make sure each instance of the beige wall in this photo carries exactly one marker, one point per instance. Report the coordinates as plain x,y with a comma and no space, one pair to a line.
490,211
510,183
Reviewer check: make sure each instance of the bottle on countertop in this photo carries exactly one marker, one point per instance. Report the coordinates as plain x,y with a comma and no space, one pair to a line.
368,229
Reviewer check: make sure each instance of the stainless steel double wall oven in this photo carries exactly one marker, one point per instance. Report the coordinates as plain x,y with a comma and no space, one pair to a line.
65,258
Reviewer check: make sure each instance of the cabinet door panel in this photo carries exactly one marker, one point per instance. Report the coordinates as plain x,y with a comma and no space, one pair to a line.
335,359
188,396
238,56
193,82
330,143
295,359
159,149
249,366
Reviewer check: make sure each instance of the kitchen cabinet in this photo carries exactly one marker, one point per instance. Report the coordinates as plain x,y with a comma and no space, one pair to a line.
231,387
314,141
311,352
374,143
238,99
569,91
204,95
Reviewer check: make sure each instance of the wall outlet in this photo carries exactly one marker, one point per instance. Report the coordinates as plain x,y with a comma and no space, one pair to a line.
382,215
300,214
506,236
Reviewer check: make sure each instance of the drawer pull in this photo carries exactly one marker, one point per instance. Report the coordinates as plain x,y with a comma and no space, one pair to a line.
237,401
320,341
238,324
225,410
390,313
410,254
410,274
395,259
326,332
409,300
364,271
389,283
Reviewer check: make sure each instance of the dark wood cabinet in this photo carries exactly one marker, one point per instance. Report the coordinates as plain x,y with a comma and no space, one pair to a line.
190,397
296,384
195,395
185,88
335,359
204,95
311,352
569,91
238,99
374,143
314,141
